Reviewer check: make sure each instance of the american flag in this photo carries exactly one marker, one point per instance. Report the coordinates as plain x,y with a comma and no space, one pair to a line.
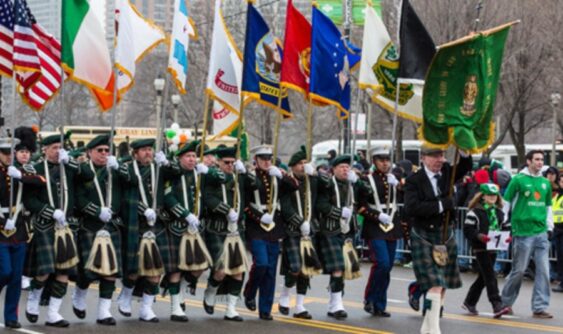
6,37
36,50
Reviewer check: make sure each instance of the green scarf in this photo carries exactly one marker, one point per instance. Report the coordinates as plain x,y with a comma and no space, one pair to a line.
492,216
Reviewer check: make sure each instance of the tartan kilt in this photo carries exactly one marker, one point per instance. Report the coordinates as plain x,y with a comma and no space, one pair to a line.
428,273
329,248
214,243
291,255
40,256
131,253
86,240
173,249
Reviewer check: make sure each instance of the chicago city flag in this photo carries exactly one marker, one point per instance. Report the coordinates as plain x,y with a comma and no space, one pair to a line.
182,30
225,65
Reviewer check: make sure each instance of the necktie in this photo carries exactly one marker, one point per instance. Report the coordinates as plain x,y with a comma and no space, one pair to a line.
438,178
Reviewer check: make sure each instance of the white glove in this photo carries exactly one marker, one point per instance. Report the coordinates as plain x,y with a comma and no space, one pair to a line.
239,167
59,216
201,168
267,219
105,214
232,216
392,180
384,218
344,227
275,171
14,173
305,229
352,177
192,220
232,227
160,159
309,169
63,156
346,213
112,162
10,225
151,216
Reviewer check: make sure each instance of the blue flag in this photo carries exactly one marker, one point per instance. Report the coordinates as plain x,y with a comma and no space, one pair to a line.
330,64
262,64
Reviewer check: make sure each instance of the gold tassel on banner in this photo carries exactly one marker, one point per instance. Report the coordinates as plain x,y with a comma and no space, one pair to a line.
310,263
102,259
193,253
66,255
234,257
351,261
150,261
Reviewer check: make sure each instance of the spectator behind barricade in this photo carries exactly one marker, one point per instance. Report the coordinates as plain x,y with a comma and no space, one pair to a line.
552,174
331,156
558,232
323,169
407,167
362,160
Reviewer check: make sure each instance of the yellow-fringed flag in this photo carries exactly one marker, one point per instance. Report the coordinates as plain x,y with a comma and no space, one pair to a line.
136,36
183,30
225,65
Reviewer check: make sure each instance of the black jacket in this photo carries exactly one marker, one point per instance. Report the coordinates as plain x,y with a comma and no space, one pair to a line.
477,222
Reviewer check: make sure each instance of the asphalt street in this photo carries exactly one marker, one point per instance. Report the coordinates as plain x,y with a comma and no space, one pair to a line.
403,319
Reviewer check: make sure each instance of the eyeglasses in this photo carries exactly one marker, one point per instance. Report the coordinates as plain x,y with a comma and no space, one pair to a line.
228,162
101,150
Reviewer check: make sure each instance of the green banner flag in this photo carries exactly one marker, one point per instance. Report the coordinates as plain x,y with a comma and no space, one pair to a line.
334,9
460,91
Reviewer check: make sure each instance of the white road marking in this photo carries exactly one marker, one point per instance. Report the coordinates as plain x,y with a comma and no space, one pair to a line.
22,330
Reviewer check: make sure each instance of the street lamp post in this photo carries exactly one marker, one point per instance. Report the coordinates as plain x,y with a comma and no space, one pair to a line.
159,88
176,99
555,99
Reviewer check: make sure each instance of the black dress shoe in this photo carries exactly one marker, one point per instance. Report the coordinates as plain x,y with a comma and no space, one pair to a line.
123,313
303,315
179,318
60,324
208,308
368,307
250,304
283,310
153,320
558,288
338,315
110,321
266,316
13,324
237,318
382,314
31,317
79,313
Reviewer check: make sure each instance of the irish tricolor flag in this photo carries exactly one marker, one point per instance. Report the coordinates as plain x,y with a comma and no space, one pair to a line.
85,54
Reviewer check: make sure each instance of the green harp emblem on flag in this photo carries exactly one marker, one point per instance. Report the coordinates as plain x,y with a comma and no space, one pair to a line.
386,71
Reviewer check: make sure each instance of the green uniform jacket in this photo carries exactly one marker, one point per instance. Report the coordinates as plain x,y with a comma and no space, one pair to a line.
177,203
329,210
292,188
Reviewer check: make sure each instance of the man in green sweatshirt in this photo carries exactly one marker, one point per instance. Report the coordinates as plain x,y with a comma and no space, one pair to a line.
529,196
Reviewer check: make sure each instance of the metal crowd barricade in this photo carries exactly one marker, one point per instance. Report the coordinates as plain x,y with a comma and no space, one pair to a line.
463,245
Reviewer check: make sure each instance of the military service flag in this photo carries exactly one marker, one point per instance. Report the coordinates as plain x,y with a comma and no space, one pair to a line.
330,66
262,64
460,91
183,30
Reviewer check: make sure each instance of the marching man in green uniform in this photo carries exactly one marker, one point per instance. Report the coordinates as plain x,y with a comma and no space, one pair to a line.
263,231
44,203
335,206
297,206
98,218
180,202
144,226
223,217
381,229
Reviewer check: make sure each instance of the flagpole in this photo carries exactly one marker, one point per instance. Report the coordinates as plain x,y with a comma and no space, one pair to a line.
395,119
202,150
62,100
238,155
355,129
309,155
368,130
13,141
276,143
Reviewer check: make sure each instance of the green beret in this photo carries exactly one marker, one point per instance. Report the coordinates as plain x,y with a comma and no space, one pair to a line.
298,156
137,144
98,141
341,159
77,152
53,139
188,147
226,152
489,189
